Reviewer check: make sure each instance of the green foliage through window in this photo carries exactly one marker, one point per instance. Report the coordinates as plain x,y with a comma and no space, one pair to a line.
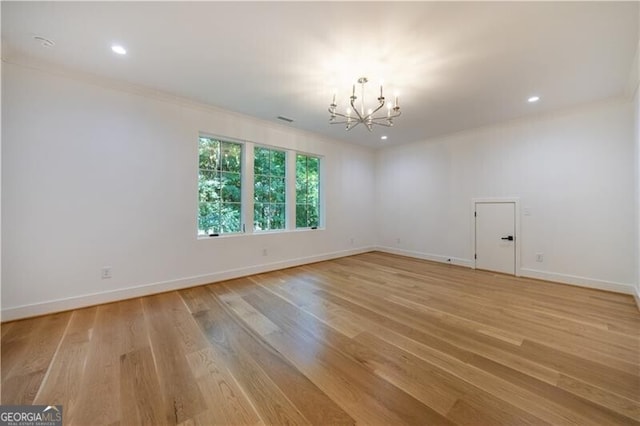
307,191
219,186
269,199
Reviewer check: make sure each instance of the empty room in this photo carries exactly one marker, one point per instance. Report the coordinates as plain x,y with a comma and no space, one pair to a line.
375,213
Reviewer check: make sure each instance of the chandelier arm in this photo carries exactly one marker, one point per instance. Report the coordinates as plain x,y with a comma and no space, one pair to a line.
337,114
360,118
385,118
382,124
375,110
354,122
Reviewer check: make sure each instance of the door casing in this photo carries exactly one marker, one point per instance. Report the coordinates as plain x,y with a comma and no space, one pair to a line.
517,235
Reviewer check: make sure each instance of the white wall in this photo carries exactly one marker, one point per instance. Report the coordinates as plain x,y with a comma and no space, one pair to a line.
93,176
574,170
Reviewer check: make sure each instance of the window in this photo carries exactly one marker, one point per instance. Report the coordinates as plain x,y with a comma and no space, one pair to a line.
269,167
219,186
307,191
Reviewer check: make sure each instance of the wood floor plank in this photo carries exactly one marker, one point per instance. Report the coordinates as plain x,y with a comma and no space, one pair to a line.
133,329
600,396
99,395
173,335
141,395
28,357
226,400
373,339
60,386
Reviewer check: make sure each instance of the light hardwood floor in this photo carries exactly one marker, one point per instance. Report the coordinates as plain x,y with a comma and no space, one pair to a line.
369,339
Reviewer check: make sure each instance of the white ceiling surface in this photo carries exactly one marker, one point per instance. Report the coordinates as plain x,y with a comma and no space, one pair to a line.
455,65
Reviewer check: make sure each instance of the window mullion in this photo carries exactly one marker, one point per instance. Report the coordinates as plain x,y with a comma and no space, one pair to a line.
290,193
248,188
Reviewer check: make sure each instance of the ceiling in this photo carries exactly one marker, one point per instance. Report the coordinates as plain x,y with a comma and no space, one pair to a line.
455,65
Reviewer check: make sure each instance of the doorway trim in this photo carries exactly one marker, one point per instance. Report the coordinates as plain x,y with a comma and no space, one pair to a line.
516,201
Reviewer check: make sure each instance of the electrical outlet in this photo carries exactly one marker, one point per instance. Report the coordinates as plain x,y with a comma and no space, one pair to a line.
265,252
539,257
105,272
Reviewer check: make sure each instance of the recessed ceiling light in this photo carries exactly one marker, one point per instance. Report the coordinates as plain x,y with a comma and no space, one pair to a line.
383,138
533,99
119,49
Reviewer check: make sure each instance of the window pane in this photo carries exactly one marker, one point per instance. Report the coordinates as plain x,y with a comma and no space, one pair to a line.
278,163
230,156
269,166
230,183
258,217
278,190
301,191
301,165
278,216
219,186
307,191
208,218
301,216
312,166
230,217
261,192
260,161
208,151
208,186
312,215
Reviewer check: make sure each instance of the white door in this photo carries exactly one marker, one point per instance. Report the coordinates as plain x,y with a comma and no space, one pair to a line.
495,237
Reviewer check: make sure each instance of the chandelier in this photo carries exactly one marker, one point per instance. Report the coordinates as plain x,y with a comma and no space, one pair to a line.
356,113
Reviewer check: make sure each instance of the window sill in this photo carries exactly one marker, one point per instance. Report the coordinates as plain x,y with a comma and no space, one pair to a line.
258,233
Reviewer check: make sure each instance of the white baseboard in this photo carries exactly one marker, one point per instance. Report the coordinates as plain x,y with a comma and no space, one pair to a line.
59,305
427,256
526,272
578,281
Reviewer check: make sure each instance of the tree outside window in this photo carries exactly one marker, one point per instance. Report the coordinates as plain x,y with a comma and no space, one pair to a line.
269,204
307,191
219,186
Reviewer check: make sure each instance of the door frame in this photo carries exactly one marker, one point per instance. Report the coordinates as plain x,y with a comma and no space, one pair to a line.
516,201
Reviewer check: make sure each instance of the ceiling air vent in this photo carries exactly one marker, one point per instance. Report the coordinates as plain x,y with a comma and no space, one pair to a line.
287,119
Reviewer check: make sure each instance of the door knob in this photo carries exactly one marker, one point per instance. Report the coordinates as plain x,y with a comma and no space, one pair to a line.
508,238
